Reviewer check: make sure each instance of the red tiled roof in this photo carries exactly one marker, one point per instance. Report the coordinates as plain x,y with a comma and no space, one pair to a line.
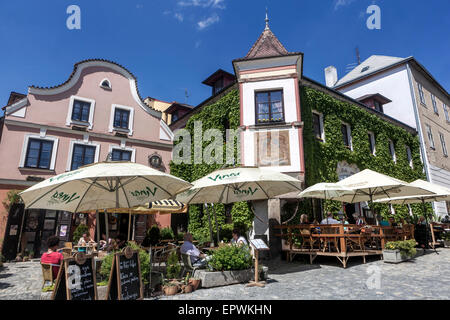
267,45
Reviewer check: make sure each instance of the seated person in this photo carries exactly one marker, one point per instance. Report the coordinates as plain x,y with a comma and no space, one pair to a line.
329,219
121,242
446,219
52,256
198,259
304,219
384,223
392,222
359,221
105,244
238,239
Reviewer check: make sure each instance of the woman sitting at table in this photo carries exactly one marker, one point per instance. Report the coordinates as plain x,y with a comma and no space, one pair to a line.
238,239
52,256
304,219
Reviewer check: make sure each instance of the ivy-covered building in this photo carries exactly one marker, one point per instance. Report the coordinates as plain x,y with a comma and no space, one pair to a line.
297,126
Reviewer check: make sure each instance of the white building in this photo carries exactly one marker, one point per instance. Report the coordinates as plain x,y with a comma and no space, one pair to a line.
417,100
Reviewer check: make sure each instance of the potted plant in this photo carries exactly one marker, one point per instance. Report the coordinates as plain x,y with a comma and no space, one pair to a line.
186,287
170,288
446,238
167,234
194,282
398,251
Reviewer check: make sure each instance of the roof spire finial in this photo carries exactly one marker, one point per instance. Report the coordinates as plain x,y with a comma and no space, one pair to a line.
267,21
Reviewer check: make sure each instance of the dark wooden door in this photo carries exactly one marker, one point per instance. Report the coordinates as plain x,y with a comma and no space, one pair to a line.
13,230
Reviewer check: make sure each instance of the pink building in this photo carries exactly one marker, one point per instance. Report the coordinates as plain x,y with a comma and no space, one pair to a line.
96,112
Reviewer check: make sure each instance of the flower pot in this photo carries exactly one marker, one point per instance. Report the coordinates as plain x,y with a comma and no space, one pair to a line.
394,256
195,283
187,288
171,290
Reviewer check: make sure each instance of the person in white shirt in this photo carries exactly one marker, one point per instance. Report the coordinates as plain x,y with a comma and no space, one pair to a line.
238,239
329,219
198,259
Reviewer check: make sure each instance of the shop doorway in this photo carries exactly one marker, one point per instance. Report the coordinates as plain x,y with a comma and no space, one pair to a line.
13,230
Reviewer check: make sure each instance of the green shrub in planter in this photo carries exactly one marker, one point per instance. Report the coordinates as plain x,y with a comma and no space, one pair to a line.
231,258
167,234
173,266
406,247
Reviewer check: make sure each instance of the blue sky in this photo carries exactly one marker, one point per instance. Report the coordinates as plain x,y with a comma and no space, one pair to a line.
173,45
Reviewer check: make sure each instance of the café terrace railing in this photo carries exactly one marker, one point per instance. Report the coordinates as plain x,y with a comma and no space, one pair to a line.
338,240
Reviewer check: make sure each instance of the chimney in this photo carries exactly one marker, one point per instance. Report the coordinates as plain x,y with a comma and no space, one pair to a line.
330,76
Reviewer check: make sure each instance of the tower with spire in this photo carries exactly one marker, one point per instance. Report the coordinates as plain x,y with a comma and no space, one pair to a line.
272,132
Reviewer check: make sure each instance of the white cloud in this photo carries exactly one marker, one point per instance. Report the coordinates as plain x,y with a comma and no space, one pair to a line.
179,17
207,22
197,44
342,3
219,4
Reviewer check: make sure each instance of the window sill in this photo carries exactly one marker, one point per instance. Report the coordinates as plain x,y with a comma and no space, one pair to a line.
121,130
79,123
37,170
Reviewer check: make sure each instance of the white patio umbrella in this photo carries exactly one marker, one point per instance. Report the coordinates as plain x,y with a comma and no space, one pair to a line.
369,185
103,185
325,190
439,193
239,184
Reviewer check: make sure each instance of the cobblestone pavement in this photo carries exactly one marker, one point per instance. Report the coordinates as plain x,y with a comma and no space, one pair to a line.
426,277
21,281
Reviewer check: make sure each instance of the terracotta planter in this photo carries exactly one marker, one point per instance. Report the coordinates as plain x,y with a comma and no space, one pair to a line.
195,283
170,290
187,288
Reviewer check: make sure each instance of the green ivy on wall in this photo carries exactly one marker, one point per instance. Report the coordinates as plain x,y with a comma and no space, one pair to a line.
321,158
222,115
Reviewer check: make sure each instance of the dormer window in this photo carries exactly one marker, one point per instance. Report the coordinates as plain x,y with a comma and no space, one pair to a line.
218,86
269,106
105,84
80,110
378,106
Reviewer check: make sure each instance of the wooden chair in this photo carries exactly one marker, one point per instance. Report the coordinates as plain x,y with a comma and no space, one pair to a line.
328,241
47,273
305,234
68,245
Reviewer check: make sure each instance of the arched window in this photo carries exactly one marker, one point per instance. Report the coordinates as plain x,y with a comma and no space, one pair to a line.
105,84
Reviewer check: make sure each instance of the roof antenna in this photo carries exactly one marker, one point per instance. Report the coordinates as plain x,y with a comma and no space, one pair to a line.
186,94
358,58
267,21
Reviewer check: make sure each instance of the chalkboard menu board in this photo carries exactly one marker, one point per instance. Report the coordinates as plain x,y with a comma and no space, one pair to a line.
76,279
125,281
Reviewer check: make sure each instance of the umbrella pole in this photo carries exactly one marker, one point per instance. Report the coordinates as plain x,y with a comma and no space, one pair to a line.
97,222
217,226
210,226
106,224
129,225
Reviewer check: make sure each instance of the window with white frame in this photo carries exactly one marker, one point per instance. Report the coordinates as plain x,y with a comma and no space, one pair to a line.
447,117
318,126
421,94
371,137
433,101
347,135
106,84
82,153
39,152
409,157
81,112
430,136
122,153
121,119
444,147
392,151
